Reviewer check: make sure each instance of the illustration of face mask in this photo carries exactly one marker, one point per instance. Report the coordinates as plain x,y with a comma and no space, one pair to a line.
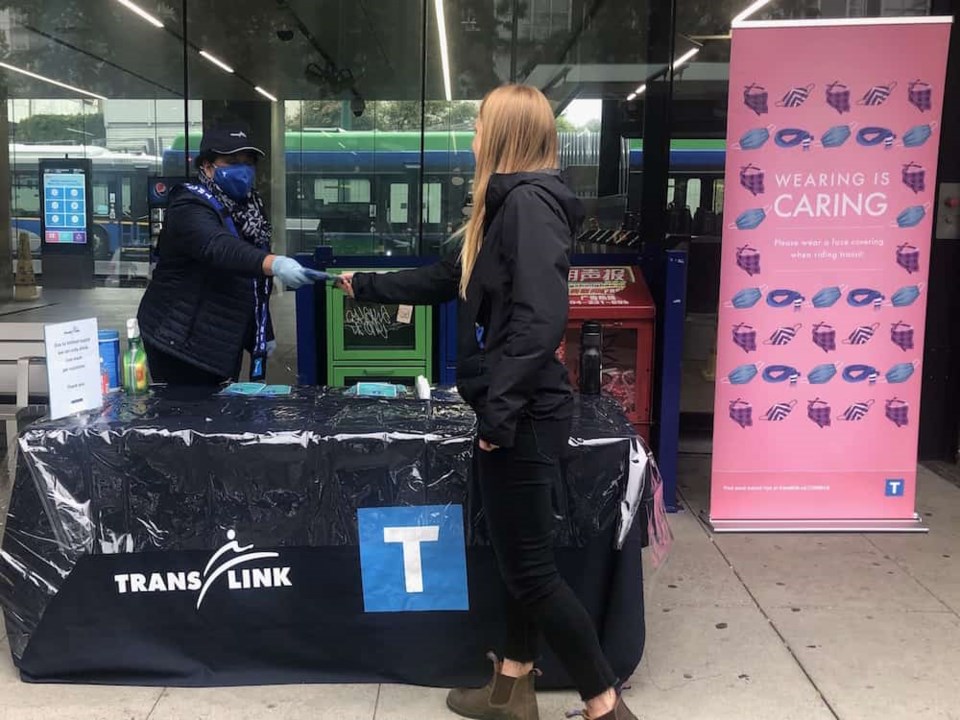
920,95
796,97
911,217
756,98
748,260
747,298
754,139
898,412
780,411
743,374
901,335
745,337
908,257
862,335
917,136
914,177
905,296
877,95
836,136
751,219
826,297
900,373
819,411
838,97
857,411
822,374
783,336
741,412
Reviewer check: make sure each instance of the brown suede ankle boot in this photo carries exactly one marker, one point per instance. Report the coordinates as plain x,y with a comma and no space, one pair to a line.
619,712
503,698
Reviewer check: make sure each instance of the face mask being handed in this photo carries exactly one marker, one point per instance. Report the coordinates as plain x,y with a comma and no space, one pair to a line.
235,180
917,136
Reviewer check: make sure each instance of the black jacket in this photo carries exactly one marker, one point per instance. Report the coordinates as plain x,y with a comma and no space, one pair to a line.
517,294
199,305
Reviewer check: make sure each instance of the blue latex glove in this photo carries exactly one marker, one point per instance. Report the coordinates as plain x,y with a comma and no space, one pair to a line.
291,273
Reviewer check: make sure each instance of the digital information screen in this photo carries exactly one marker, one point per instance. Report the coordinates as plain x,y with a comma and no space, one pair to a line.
65,206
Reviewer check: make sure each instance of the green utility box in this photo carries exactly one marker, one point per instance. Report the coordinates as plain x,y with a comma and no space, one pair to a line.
370,342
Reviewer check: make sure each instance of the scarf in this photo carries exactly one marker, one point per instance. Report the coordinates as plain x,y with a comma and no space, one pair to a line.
251,222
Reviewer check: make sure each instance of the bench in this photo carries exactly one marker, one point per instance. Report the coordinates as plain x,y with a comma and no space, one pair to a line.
22,374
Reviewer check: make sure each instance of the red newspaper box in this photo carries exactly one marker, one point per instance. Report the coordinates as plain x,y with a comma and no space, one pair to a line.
618,298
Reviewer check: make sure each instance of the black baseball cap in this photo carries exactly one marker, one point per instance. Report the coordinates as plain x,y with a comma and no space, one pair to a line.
226,139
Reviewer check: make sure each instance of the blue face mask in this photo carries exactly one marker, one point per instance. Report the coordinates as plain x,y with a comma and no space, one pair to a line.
900,373
905,296
826,297
747,298
751,219
836,136
235,180
911,217
743,374
753,139
822,374
917,136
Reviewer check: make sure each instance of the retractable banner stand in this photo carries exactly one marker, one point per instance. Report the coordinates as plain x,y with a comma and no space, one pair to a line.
833,135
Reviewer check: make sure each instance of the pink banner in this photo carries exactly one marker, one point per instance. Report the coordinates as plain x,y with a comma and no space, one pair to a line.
833,134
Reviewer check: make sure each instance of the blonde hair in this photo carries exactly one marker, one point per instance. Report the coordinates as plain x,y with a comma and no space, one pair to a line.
519,134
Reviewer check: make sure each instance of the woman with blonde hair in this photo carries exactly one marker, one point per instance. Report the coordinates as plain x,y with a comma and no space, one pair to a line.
511,279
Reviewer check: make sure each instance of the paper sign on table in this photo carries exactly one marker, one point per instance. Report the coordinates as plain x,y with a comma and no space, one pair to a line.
73,367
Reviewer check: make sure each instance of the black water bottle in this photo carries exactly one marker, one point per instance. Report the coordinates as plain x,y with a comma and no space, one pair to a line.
591,344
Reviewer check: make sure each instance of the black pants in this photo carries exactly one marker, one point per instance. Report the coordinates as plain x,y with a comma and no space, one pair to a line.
517,489
165,368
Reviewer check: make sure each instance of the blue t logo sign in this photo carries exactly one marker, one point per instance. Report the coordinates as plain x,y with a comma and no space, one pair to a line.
895,488
412,559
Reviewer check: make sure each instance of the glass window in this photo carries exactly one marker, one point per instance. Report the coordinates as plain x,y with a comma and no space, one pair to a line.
399,198
432,204
333,191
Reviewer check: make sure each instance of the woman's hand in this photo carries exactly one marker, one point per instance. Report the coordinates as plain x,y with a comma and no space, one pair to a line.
487,446
345,283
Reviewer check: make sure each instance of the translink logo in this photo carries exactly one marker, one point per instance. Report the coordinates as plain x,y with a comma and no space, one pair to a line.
232,556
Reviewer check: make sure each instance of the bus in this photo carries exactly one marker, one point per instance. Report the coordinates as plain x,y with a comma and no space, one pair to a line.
354,190
119,186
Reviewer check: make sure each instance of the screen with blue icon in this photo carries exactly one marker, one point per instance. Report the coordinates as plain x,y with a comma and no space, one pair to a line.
65,206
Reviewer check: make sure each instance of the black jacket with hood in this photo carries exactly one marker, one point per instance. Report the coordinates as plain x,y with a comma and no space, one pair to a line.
515,313
199,306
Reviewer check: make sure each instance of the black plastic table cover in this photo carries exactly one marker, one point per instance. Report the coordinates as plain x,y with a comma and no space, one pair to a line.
193,539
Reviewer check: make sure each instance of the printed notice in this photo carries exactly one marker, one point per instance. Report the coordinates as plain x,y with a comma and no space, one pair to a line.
73,367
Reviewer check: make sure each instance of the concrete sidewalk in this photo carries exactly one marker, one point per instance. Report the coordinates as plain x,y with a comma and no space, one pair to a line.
748,627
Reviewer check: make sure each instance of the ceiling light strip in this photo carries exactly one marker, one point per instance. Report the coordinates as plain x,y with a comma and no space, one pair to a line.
444,50
263,92
45,79
216,61
141,12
